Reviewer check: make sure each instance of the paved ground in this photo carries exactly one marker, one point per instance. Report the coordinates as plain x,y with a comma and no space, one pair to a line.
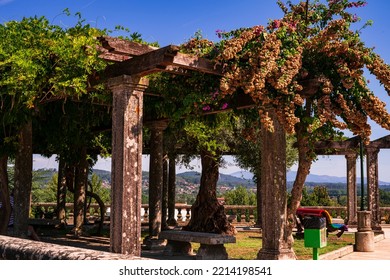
382,250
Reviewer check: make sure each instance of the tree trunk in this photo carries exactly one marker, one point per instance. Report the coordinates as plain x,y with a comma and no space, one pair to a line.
172,190
61,192
304,165
81,181
208,215
23,181
259,197
5,209
102,209
164,204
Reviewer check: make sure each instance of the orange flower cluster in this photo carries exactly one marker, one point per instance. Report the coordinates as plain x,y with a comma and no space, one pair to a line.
381,70
271,65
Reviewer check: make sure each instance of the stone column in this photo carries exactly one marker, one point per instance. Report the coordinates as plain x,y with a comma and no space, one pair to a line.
274,206
125,221
351,190
373,188
171,190
23,180
155,182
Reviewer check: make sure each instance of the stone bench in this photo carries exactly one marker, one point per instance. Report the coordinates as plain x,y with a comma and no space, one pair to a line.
12,248
211,244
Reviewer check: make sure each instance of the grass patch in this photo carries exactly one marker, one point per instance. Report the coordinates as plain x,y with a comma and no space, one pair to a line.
249,243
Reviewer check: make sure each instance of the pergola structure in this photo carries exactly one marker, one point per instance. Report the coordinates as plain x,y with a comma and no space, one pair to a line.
126,79
128,84
350,149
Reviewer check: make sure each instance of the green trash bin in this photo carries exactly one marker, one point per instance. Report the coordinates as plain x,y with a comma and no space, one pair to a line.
314,233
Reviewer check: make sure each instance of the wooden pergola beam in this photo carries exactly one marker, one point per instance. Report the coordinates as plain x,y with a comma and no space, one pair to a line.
163,59
349,144
381,143
332,152
124,47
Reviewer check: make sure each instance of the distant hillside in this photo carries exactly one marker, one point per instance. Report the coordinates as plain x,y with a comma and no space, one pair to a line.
243,178
224,179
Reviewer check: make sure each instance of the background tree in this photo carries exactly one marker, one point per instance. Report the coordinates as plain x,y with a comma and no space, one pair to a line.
318,197
240,196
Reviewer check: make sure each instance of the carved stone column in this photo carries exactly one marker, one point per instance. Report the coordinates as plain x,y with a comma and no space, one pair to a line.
351,189
125,223
155,182
274,208
373,188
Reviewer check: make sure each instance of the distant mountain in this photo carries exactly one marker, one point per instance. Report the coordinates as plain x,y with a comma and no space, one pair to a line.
317,178
224,179
312,178
243,174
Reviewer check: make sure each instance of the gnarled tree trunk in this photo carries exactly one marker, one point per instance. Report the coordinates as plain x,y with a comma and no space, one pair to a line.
207,214
304,164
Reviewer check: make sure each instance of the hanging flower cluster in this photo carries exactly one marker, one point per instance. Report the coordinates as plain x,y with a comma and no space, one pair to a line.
310,54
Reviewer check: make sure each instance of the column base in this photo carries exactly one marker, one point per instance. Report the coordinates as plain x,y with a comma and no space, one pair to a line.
285,254
364,241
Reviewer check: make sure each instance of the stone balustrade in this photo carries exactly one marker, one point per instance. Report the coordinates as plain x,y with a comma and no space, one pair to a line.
237,214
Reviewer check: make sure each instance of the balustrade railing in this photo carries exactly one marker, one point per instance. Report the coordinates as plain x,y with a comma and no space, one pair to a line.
237,214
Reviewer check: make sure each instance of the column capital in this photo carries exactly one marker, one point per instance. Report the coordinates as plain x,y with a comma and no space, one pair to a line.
372,150
351,156
125,81
158,124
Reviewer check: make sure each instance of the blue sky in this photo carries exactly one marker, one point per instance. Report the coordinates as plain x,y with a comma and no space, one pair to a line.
173,22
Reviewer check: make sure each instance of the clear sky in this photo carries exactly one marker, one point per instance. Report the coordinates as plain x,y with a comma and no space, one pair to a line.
173,22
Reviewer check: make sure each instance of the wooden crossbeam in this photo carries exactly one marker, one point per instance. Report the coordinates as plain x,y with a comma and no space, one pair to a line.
163,59
349,144
124,47
333,152
381,143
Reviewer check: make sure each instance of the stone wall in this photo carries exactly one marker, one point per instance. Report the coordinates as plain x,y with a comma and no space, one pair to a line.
12,248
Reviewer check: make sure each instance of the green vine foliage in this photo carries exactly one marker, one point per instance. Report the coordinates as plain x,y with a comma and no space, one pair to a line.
41,63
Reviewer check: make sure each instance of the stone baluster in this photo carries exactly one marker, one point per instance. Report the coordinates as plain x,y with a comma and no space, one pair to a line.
251,216
179,215
146,214
243,215
188,214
